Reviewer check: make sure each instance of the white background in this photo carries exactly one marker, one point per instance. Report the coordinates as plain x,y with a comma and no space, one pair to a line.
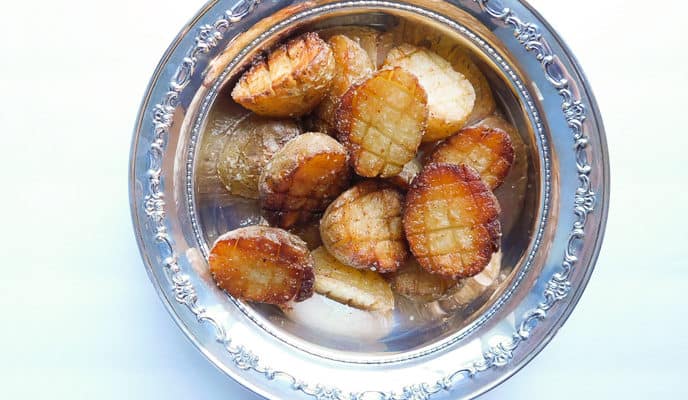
79,318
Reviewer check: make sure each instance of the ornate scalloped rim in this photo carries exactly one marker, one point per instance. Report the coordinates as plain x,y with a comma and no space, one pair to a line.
558,287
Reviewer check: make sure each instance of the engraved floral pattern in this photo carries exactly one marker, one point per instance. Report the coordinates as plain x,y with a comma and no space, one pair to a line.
557,288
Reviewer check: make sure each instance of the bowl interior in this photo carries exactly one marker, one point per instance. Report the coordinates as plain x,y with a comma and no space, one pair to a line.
327,325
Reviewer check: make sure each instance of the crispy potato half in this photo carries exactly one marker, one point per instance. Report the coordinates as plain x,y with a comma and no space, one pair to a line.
488,151
459,58
512,193
362,289
374,42
407,174
293,79
418,285
382,121
352,65
303,178
362,228
451,221
251,144
451,96
470,289
262,264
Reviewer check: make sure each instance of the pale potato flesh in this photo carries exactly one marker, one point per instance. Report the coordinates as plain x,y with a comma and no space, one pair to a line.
416,284
451,96
362,289
382,121
374,42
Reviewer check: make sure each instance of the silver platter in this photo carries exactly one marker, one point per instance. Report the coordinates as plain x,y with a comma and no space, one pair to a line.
548,256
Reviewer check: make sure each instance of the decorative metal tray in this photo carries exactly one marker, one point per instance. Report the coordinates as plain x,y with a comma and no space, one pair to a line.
422,353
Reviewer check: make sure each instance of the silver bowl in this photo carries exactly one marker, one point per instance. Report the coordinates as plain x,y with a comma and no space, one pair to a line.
433,351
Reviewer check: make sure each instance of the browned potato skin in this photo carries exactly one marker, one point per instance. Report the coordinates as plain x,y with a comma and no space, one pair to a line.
488,151
374,42
451,221
352,65
303,178
252,143
382,121
291,82
362,228
262,264
458,57
414,283
363,289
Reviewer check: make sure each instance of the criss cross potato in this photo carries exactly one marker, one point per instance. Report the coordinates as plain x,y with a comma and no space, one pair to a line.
451,96
352,65
362,289
262,264
363,229
302,178
293,79
488,151
382,121
451,221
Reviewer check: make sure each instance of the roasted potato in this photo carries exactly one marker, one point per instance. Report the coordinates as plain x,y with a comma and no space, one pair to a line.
250,145
366,290
470,289
451,221
382,121
224,115
362,228
488,151
416,284
374,42
511,194
291,82
302,178
451,96
458,56
262,264
407,174
352,65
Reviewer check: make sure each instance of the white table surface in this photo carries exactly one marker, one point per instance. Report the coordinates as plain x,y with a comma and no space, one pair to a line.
81,320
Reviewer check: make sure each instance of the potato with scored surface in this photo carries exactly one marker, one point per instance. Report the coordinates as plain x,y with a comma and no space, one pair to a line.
362,228
262,264
457,55
382,121
416,284
451,221
362,289
302,178
512,193
293,79
374,42
451,96
352,65
488,151
251,144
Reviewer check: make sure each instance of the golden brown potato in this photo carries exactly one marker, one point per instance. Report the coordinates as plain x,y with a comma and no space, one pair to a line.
488,151
407,175
251,144
362,228
457,55
366,290
262,264
416,284
374,42
302,178
512,193
382,121
352,65
451,96
451,221
291,82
